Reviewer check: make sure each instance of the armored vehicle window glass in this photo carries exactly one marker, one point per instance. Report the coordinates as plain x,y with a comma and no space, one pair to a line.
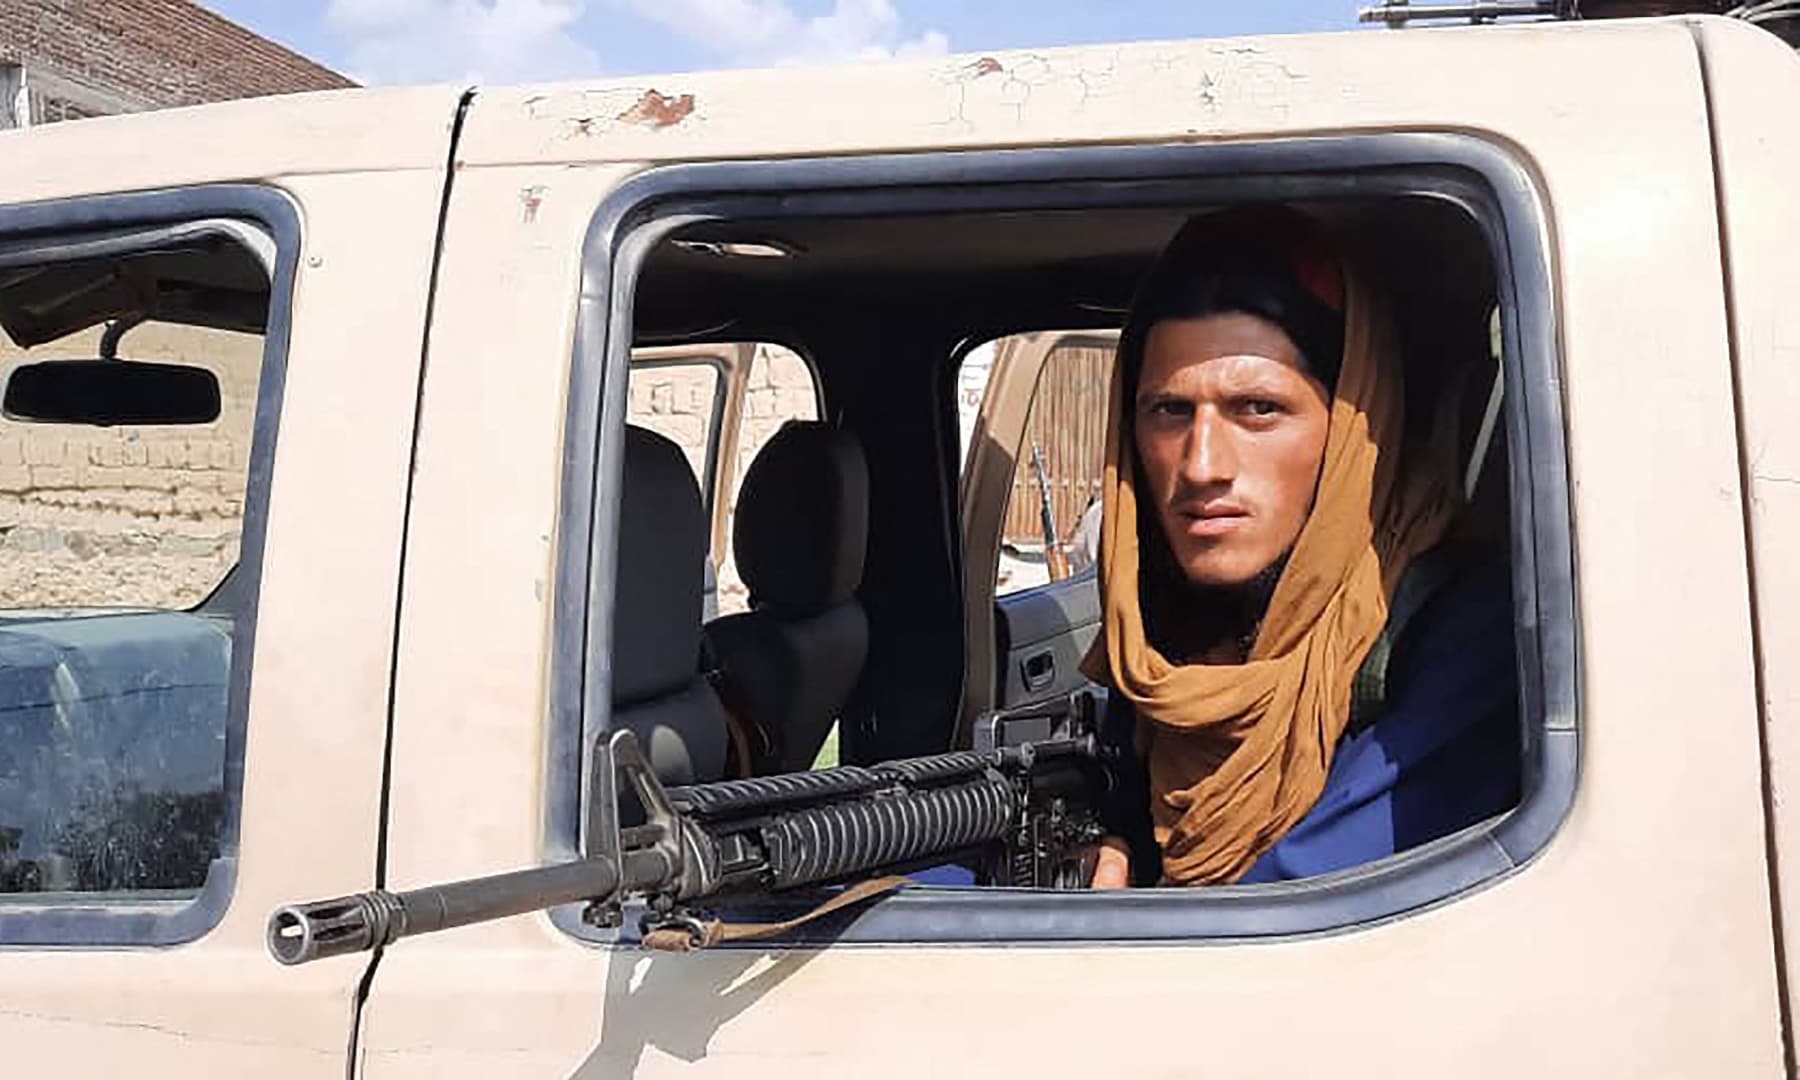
138,369
893,267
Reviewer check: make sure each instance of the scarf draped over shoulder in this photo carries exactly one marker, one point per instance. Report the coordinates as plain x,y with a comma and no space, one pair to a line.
1238,753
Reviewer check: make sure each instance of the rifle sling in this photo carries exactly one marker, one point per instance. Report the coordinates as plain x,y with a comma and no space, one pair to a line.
705,933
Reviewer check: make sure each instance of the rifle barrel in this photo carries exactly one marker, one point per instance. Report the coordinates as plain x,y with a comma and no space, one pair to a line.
299,933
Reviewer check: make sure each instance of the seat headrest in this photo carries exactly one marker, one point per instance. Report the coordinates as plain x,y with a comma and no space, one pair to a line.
661,575
802,525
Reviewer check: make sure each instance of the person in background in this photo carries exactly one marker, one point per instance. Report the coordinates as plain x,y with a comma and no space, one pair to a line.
1084,543
1307,677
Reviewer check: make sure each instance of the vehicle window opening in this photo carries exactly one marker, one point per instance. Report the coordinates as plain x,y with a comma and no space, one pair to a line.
886,303
801,686
132,365
1052,524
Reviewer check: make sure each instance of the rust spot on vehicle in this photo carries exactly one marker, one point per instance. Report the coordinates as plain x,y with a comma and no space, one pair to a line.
987,65
657,110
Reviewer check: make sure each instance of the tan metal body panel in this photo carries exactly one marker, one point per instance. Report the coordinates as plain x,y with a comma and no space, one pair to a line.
253,139
220,1006
1754,84
490,446
1639,943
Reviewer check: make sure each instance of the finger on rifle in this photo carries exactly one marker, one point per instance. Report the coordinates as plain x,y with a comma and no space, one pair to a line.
1112,870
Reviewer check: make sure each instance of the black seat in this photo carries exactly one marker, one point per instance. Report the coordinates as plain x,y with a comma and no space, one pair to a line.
788,664
657,689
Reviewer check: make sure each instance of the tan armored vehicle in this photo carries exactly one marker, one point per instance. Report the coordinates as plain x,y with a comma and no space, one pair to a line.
334,554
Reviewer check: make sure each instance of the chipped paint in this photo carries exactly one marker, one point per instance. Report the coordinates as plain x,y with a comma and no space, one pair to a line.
1213,88
655,110
530,199
584,114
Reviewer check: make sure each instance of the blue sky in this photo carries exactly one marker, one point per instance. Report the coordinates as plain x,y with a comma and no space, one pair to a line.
497,41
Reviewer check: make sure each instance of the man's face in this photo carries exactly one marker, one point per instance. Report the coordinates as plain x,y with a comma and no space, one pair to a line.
1230,429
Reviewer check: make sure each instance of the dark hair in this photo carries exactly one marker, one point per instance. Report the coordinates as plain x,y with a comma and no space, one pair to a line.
1250,262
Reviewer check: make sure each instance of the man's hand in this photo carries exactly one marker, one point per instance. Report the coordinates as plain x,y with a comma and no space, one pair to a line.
1112,869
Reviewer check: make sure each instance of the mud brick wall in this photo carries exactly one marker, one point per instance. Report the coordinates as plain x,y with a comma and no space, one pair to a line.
678,402
152,516
133,516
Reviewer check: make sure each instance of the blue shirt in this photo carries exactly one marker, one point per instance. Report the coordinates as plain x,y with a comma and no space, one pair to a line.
1445,753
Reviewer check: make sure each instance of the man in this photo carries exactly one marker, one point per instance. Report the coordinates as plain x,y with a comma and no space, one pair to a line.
1257,524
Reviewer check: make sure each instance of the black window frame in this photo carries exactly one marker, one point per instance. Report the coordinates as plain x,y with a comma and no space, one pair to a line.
107,920
1497,190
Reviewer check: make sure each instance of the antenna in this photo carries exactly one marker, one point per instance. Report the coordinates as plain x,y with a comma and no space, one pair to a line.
1397,13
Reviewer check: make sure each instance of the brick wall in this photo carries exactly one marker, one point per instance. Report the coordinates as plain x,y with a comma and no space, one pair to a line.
149,53
676,401
134,516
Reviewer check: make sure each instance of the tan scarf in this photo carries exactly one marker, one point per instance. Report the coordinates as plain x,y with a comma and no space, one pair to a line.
1238,753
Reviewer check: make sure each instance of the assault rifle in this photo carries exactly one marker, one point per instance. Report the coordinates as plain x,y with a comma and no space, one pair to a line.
1021,808
1054,560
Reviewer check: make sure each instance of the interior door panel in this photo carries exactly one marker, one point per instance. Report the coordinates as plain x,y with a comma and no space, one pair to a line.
1042,635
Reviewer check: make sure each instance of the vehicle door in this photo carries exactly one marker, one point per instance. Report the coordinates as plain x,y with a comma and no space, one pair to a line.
1030,499
1617,923
201,601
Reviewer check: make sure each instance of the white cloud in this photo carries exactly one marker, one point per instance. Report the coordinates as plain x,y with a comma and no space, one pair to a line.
755,32
489,41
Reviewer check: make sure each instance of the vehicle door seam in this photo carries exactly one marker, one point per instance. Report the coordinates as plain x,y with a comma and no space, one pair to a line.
364,984
1733,345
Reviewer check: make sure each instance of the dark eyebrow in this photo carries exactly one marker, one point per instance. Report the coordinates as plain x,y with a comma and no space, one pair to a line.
1157,397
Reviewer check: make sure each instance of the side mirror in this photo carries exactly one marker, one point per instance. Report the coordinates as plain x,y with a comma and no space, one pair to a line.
105,393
